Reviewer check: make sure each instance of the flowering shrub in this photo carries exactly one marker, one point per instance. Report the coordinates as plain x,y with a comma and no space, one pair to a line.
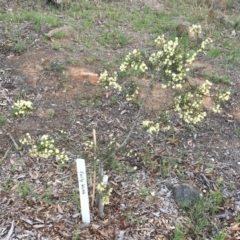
169,65
22,107
44,148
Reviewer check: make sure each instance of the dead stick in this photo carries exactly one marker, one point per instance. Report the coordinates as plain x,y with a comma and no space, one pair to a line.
6,153
14,142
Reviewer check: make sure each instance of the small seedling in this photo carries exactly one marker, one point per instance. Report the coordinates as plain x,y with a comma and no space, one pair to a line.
76,234
24,190
56,46
143,191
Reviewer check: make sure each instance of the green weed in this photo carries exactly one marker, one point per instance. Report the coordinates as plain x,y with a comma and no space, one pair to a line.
47,196
2,119
143,191
24,190
20,46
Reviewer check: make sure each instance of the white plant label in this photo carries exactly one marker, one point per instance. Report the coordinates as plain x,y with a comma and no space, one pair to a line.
83,190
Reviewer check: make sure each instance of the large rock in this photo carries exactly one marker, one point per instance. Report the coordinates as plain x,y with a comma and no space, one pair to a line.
185,194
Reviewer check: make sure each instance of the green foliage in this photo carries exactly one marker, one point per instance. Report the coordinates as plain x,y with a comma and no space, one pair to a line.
220,236
179,233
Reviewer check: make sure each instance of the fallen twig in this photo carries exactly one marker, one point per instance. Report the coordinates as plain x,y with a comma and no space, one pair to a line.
6,153
14,142
9,232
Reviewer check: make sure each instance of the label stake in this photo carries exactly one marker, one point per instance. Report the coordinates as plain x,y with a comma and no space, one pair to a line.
83,190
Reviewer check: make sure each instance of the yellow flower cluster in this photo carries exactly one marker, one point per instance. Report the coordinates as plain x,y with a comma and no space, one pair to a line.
154,126
131,90
22,107
109,82
196,29
188,106
220,97
134,61
223,96
45,148
89,144
171,61
105,193
195,32
151,126
204,89
132,96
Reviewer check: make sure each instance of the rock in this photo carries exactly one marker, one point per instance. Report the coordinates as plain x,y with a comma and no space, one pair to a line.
55,2
83,75
185,194
65,31
183,29
45,113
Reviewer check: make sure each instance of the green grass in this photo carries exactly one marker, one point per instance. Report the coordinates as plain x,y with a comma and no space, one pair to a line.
179,233
213,52
201,215
217,79
113,38
37,18
2,119
59,34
